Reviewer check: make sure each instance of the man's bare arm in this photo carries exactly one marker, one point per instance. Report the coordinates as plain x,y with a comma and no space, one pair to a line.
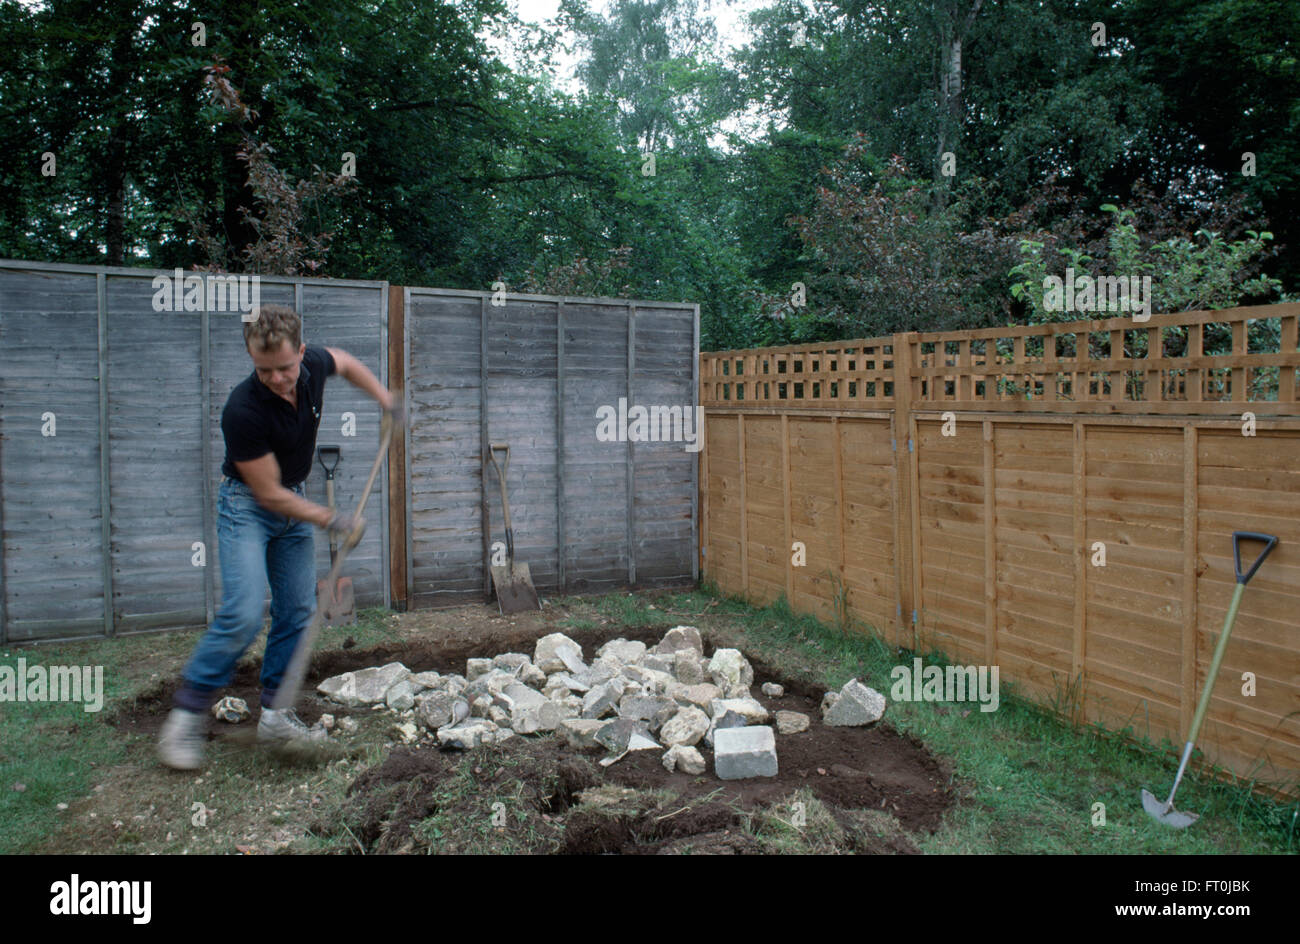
359,375
262,476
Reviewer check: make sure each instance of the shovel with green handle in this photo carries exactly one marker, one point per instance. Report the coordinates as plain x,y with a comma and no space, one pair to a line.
1165,812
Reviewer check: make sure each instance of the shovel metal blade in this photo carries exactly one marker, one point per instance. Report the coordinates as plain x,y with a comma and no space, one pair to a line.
1165,813
514,587
337,608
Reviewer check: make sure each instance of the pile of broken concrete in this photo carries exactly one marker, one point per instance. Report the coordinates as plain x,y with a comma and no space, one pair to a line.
628,698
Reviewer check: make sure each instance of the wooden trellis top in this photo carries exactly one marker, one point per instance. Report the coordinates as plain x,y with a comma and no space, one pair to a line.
1200,362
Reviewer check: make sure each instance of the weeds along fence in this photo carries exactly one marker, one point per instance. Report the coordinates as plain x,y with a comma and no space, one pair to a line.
1057,500
111,445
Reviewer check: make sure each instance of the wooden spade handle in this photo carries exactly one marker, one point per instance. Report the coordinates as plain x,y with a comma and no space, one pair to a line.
287,694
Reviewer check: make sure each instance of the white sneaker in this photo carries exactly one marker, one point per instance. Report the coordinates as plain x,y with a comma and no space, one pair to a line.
285,725
180,744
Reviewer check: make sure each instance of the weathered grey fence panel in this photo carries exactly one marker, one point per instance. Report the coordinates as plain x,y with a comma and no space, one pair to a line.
522,344
444,493
155,452
49,384
665,490
351,318
549,364
595,472
102,524
55,556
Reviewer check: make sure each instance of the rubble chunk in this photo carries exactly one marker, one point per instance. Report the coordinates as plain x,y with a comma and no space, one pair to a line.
857,705
742,753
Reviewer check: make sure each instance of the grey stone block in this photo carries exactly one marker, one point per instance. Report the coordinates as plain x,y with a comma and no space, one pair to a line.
741,753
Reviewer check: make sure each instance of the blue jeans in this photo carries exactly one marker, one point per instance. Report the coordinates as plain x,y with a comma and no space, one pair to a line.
256,546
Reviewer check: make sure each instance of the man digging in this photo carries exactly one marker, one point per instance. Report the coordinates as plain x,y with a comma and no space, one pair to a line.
264,527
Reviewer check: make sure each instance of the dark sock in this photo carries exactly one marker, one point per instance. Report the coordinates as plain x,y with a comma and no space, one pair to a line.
268,697
193,698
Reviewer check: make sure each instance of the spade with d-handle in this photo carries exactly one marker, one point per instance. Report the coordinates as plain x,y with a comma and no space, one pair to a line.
337,603
1165,812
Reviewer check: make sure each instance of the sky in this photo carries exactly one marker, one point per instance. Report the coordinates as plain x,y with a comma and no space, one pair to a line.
727,16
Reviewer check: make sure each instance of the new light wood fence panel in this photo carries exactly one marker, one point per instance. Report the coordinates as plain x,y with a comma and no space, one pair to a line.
1135,492
950,500
816,520
1247,483
723,511
766,549
994,530
1190,362
868,491
1032,533
824,482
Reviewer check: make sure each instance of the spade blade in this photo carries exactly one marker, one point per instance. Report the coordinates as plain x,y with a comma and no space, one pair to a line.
514,587
1165,813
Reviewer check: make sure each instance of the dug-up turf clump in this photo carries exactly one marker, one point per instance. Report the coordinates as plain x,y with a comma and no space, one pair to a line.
385,802
421,800
627,821
802,824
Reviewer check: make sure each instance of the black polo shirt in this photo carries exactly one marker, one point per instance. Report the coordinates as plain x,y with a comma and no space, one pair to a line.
256,420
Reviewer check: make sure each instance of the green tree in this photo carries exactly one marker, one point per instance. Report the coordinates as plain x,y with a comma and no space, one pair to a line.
1228,72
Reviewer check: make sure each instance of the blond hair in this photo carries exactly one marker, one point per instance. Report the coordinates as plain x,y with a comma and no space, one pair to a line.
275,324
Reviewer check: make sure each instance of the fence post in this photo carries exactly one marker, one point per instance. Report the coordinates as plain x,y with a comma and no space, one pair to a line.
785,505
1191,486
396,355
1079,639
700,458
744,505
205,461
631,448
837,474
908,542
484,448
990,549
704,388
105,482
1286,373
560,537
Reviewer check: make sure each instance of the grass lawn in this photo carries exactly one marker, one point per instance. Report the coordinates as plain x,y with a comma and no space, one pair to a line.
1025,781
